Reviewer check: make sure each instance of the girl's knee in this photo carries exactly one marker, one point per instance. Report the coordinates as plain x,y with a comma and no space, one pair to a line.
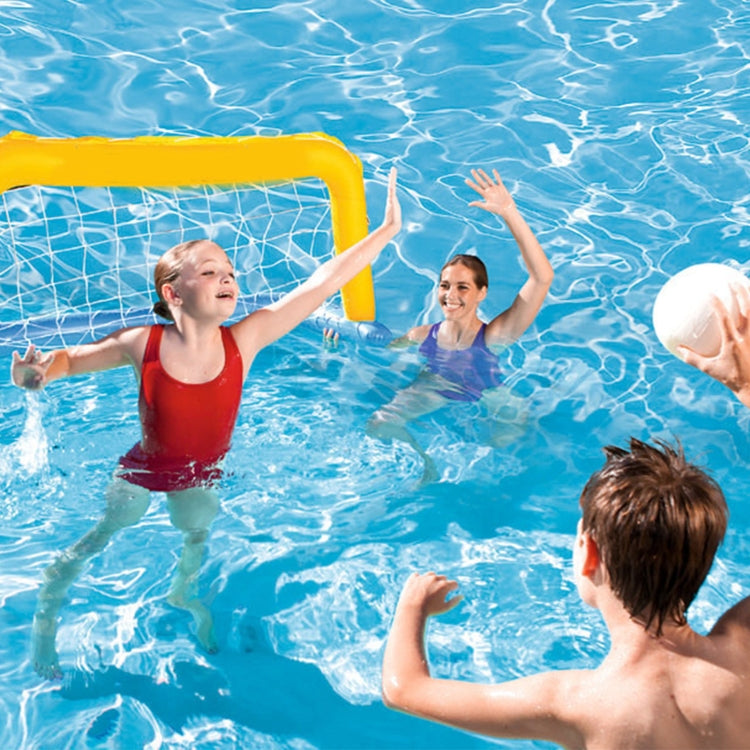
192,510
126,503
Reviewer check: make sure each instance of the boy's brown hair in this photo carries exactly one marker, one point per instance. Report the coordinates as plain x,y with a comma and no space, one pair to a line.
657,521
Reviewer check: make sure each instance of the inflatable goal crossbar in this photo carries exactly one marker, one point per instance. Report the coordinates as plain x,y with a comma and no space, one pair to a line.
169,161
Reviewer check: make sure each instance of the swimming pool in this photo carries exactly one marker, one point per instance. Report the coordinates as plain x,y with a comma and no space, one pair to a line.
620,128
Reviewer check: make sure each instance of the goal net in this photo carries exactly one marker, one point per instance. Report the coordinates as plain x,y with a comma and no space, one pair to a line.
76,261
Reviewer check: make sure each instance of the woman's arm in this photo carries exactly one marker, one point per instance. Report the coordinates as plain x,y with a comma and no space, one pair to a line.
496,199
264,326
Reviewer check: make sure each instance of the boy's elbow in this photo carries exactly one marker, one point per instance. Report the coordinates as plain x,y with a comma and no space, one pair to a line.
393,693
409,695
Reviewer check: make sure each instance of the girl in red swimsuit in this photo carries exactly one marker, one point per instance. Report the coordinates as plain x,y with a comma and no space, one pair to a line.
190,375
461,351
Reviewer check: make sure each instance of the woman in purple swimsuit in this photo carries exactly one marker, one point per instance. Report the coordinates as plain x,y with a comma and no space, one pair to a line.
461,351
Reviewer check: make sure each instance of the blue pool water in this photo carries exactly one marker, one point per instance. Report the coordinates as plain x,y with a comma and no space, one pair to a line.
621,128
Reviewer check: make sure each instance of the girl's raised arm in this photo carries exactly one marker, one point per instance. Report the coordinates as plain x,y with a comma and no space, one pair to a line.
265,326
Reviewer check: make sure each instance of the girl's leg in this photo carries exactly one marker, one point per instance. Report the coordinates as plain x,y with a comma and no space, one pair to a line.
192,512
125,505
414,401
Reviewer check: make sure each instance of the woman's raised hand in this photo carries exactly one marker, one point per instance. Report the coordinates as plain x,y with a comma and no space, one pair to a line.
495,196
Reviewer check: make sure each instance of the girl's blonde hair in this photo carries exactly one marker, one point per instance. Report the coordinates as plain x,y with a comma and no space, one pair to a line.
167,271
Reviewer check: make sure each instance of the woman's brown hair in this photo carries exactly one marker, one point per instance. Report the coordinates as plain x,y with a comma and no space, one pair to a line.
474,264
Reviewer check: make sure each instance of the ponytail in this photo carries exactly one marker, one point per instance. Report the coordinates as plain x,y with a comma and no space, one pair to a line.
161,308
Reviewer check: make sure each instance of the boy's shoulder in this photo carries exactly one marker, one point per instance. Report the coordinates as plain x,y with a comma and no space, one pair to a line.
673,694
735,624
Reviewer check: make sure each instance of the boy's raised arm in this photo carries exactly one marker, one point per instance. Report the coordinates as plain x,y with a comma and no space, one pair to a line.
524,708
406,673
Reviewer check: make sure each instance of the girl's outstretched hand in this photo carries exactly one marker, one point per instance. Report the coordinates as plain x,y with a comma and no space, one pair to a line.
495,196
731,365
30,371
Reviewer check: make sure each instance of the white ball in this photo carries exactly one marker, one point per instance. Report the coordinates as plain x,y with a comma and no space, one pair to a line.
682,311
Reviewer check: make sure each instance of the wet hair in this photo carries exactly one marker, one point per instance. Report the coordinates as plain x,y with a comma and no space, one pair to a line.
474,264
167,271
657,521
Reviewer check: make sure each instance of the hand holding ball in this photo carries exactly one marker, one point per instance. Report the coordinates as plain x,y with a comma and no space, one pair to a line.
683,314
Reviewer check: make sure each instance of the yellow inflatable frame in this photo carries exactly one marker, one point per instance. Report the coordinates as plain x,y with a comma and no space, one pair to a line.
174,161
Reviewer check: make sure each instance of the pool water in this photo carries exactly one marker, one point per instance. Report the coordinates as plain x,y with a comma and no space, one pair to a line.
619,127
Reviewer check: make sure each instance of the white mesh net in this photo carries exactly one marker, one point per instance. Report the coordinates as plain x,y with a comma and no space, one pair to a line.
76,263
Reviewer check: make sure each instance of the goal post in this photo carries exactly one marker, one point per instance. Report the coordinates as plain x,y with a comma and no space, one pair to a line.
183,161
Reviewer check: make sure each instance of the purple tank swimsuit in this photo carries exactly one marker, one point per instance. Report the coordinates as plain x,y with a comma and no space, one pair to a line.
473,370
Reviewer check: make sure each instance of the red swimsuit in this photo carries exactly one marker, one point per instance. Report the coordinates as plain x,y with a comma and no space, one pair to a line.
187,427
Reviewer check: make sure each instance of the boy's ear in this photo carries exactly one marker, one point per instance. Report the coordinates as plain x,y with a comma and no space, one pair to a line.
591,557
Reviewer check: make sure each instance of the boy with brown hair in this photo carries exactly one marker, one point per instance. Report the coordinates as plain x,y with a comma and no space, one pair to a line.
651,523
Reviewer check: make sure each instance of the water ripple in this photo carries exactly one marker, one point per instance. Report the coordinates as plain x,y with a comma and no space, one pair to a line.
621,131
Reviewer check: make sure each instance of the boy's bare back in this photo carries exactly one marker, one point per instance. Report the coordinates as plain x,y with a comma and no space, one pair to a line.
680,690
